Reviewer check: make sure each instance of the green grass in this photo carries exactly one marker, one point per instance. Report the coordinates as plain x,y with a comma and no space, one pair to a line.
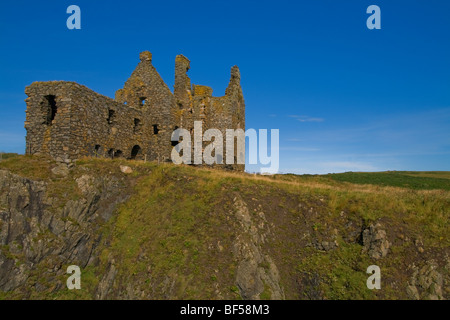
402,179
429,174
5,156
32,167
342,272
167,230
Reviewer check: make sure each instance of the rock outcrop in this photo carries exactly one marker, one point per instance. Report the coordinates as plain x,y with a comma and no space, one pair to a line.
39,235
256,272
375,241
426,282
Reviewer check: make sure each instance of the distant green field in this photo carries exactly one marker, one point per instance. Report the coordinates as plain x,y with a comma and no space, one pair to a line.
405,179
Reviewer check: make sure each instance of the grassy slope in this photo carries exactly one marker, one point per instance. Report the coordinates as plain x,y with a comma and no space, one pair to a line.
163,237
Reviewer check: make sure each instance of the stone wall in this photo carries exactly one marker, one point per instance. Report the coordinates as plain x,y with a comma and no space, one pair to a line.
84,123
196,103
68,121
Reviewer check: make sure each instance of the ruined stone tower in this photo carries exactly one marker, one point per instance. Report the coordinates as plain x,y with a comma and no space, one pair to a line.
67,120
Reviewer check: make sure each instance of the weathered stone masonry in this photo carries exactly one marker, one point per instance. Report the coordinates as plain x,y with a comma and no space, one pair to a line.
67,120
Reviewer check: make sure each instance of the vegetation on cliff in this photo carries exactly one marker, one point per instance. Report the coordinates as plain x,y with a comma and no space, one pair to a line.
180,232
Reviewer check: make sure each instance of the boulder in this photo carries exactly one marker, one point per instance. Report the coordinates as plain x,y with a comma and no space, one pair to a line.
126,169
375,241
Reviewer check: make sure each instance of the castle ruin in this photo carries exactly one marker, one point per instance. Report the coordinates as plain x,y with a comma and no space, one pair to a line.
68,121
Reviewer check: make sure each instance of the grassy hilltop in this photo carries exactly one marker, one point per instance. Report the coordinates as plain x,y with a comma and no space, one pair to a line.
180,232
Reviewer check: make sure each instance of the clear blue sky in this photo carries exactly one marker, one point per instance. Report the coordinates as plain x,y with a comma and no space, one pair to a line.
345,98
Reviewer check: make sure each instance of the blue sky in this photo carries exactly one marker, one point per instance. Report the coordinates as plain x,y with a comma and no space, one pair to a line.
344,98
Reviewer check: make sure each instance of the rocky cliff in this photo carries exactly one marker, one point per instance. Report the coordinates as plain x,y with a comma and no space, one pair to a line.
47,224
173,232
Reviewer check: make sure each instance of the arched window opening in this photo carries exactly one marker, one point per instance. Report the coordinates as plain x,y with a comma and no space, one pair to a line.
135,152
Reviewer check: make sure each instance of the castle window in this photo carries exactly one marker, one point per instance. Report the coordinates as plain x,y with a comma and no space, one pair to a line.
142,101
97,150
137,125
111,116
51,109
135,152
155,129
111,153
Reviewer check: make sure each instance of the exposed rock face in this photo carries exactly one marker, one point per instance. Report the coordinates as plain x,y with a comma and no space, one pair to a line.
35,232
325,245
256,273
61,170
262,242
375,241
126,169
426,283
107,281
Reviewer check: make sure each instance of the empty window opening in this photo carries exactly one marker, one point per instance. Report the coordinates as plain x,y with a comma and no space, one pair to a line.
51,109
97,150
142,101
115,153
137,125
111,153
155,129
111,116
135,152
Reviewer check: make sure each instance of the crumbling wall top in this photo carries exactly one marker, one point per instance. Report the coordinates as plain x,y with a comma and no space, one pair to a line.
199,90
235,73
182,59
